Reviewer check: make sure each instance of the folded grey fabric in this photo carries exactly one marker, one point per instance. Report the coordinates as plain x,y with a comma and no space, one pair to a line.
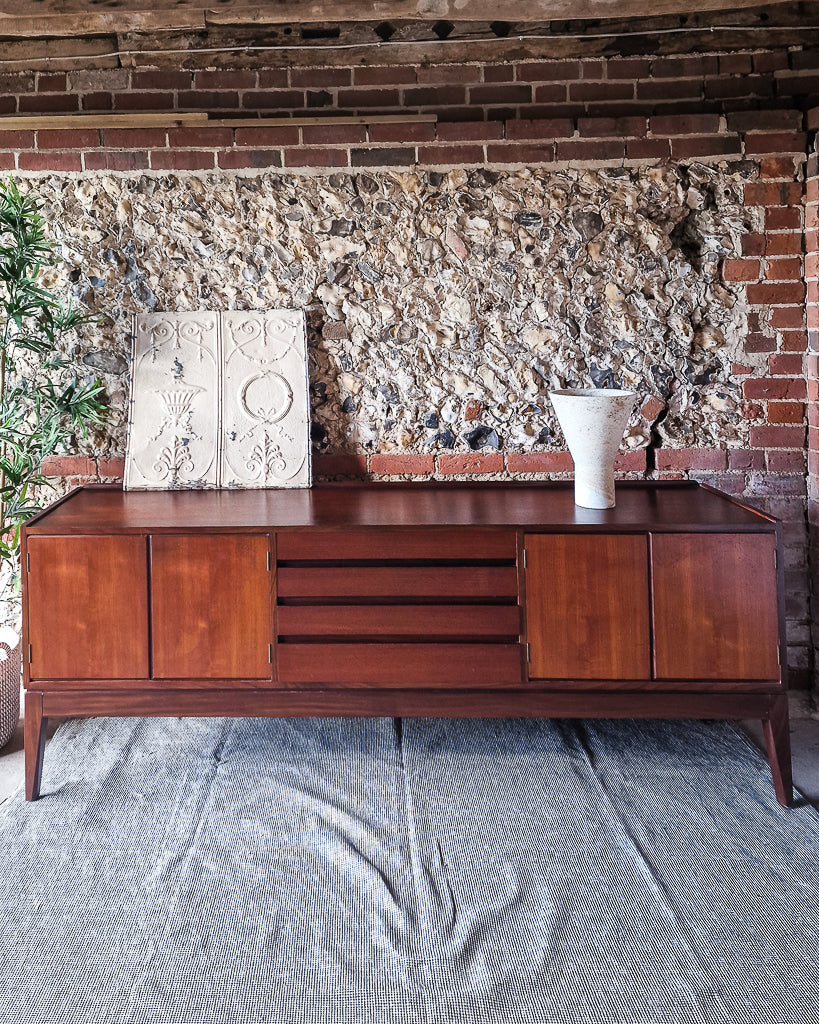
351,870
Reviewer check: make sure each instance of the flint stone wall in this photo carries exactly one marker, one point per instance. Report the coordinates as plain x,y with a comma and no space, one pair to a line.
441,306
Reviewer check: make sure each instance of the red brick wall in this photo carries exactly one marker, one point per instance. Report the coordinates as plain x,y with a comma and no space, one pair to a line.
594,86
811,213
748,106
683,137
709,106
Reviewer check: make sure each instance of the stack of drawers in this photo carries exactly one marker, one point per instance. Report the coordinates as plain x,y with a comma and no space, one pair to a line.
435,608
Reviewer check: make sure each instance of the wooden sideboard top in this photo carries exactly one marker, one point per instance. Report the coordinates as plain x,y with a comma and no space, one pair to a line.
673,506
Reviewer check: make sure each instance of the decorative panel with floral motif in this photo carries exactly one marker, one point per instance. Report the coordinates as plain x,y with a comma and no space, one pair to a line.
265,410
172,437
218,400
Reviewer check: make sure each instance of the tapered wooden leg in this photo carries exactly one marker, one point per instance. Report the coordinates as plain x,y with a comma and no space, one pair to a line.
778,745
35,737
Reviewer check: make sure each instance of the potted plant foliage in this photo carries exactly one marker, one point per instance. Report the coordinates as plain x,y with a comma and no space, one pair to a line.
43,405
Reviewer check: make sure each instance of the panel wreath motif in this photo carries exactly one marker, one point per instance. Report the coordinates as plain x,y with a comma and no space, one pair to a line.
218,400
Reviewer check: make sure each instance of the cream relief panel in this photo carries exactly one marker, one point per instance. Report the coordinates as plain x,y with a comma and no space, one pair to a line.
219,400
172,440
265,410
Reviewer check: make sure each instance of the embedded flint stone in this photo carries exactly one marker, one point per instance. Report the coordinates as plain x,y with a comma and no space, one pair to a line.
482,437
341,227
105,362
587,223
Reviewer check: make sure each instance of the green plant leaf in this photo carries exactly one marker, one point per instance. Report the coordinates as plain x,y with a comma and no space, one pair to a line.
43,407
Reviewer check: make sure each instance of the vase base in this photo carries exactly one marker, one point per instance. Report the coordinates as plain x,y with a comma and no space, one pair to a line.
592,497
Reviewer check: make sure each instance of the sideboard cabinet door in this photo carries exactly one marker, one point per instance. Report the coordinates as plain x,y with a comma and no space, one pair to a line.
210,606
715,606
587,606
88,607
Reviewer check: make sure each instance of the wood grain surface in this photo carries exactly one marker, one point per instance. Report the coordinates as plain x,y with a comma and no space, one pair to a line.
210,606
715,606
394,545
428,666
678,507
587,606
34,736
406,600
432,582
520,702
88,607
382,620
140,16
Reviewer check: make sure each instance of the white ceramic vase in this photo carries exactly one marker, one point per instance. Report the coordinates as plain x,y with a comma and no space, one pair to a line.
593,421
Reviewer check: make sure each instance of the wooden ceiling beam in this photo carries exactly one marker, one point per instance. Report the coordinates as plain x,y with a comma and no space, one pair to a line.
412,42
480,51
511,11
100,23
358,44
38,122
67,17
59,54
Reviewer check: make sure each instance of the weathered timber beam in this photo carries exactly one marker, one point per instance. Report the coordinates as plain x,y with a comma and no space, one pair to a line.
359,46
99,23
58,54
303,122
36,122
415,42
65,17
514,11
39,122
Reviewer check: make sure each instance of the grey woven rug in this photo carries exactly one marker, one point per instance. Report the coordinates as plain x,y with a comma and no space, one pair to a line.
424,871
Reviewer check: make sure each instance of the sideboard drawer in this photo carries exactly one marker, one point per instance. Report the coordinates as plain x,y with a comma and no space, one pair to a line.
439,666
398,620
431,609
405,545
434,582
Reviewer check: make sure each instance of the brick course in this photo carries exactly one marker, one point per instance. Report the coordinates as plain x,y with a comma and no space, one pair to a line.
453,143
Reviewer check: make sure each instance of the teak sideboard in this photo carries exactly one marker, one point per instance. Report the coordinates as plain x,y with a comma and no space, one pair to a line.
405,600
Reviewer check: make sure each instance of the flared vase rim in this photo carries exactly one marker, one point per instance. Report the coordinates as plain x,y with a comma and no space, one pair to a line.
592,393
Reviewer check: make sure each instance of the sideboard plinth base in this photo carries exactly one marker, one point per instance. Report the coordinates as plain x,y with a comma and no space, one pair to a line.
769,707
